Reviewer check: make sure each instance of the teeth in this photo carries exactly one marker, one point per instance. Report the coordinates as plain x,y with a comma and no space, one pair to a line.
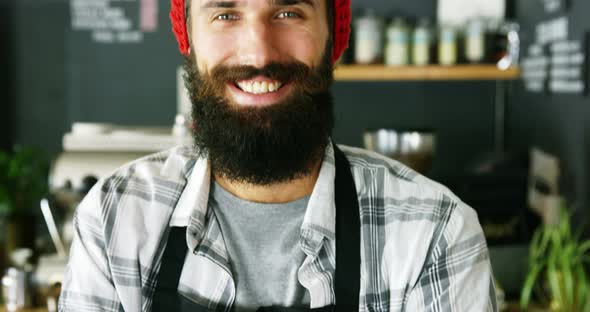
263,87
259,87
272,87
248,88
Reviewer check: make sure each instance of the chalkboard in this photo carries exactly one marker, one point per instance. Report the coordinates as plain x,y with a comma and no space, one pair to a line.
124,72
556,122
555,48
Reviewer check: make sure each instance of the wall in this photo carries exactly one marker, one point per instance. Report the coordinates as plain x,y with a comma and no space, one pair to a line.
556,123
39,61
6,80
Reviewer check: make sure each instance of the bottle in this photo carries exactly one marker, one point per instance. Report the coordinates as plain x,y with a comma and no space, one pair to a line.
475,41
368,45
447,46
397,48
421,41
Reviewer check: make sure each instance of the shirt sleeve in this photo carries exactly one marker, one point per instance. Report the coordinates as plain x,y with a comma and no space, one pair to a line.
457,275
88,284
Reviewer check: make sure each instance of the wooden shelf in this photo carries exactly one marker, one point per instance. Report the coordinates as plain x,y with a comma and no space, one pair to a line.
429,73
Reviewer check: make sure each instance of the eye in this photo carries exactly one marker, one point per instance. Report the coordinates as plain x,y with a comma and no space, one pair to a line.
288,14
226,17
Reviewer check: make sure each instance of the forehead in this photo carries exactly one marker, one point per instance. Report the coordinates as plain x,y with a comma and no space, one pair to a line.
244,3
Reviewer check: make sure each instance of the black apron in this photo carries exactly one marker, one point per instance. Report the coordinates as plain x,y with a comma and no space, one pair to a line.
348,255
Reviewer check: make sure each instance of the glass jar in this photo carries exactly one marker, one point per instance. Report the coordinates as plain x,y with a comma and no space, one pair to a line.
398,44
368,35
447,46
421,41
475,41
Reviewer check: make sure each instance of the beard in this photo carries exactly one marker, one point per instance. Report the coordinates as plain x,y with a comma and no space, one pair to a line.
262,145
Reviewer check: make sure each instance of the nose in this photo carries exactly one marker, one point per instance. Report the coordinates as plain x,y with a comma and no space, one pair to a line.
257,47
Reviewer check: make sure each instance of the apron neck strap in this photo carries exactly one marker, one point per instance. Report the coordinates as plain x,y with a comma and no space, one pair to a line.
348,237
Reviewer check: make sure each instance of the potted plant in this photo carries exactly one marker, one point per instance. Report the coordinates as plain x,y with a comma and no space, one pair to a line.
559,265
23,181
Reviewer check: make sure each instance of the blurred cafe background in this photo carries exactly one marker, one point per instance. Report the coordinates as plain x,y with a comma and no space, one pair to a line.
489,97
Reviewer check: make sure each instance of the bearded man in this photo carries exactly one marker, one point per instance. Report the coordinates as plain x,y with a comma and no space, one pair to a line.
264,212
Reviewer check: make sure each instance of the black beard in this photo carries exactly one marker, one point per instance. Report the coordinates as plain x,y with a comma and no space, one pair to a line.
262,145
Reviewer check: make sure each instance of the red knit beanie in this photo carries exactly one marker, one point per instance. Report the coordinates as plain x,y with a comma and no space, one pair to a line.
342,18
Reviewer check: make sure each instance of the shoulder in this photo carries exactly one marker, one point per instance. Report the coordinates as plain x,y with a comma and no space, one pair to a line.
154,181
396,187
168,164
410,212
391,177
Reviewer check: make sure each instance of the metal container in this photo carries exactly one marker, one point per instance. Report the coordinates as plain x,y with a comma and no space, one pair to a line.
16,286
414,148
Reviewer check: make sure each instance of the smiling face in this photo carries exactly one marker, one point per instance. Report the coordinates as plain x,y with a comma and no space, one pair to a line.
258,76
257,33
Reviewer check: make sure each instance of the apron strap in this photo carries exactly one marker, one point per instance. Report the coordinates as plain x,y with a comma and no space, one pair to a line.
348,253
348,237
166,296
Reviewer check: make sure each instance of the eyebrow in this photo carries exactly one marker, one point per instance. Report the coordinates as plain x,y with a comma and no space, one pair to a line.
220,4
233,4
292,2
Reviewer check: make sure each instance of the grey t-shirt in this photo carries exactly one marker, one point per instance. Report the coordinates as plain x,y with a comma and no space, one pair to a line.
263,245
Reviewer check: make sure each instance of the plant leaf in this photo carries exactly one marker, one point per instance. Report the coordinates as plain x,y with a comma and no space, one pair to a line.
545,238
553,279
564,223
529,284
534,245
568,281
584,247
582,286
23,180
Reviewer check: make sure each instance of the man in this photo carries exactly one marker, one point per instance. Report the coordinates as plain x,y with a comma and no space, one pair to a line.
264,211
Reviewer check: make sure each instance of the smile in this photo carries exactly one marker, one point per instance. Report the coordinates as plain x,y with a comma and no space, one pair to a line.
259,86
259,91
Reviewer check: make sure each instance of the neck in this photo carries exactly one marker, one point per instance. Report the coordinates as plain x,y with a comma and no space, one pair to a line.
277,193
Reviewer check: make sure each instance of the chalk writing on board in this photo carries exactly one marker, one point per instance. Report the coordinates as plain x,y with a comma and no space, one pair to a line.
109,21
554,63
552,6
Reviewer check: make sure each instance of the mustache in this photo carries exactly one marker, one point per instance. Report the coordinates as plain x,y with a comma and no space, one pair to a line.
305,79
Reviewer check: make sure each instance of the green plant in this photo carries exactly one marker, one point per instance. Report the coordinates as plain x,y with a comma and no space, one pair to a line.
23,181
558,268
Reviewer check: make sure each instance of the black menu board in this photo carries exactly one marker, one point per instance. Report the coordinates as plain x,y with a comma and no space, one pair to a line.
121,63
555,49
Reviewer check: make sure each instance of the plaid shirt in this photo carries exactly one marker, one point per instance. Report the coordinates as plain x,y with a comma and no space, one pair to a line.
422,249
